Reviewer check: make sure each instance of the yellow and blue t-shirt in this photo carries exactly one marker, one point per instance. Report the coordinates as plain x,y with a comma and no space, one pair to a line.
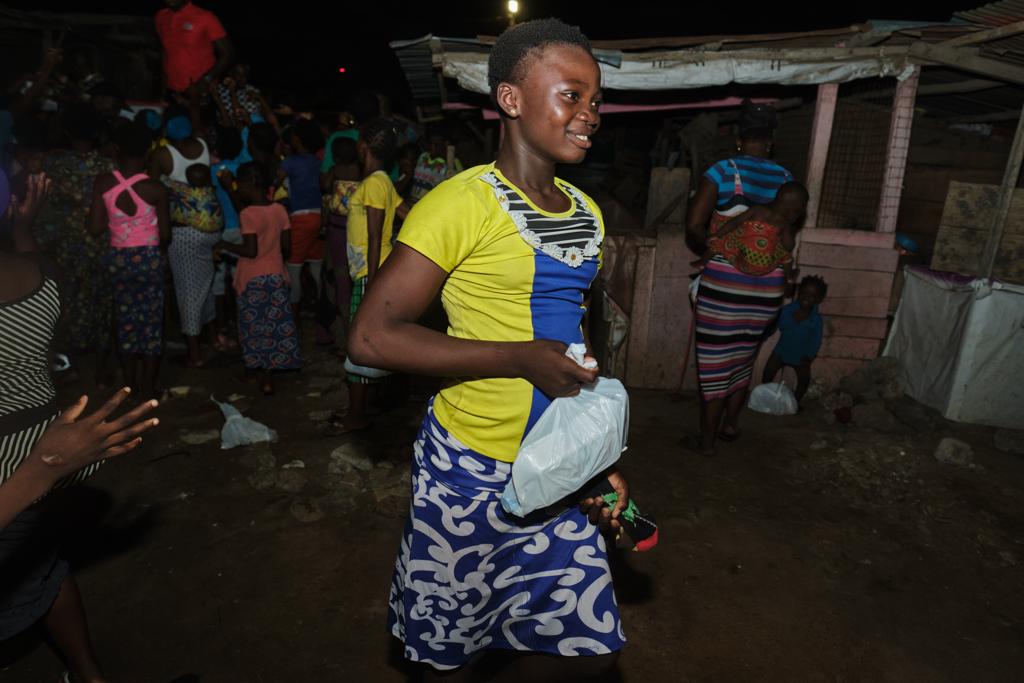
516,273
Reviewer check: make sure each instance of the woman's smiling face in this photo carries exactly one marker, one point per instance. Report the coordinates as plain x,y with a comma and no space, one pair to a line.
555,106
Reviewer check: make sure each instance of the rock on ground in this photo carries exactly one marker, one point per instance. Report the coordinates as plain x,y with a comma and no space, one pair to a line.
351,455
1009,441
954,452
307,510
875,415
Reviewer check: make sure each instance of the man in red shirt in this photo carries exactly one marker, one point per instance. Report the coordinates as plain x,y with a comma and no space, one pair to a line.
196,46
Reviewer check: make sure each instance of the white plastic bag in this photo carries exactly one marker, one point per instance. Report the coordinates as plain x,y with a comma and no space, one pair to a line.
363,371
239,430
574,440
695,287
774,399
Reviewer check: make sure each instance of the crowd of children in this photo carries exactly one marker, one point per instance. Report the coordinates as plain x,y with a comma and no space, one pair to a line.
188,203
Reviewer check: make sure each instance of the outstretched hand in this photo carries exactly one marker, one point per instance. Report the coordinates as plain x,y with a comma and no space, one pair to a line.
73,442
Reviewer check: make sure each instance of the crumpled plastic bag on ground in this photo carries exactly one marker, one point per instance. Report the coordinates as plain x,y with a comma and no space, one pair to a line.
575,439
773,399
239,430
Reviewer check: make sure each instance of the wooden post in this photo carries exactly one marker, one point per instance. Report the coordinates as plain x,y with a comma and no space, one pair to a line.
821,133
896,154
667,197
1010,176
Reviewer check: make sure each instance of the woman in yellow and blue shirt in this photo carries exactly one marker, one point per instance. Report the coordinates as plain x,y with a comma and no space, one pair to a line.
513,251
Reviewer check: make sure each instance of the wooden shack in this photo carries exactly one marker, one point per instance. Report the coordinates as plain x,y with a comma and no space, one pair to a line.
855,99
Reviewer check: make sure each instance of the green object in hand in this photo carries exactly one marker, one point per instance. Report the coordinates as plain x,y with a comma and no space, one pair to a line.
629,513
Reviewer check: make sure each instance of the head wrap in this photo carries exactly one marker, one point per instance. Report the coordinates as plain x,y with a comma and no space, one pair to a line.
179,128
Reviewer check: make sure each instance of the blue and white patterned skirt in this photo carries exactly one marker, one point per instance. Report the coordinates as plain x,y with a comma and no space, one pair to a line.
470,577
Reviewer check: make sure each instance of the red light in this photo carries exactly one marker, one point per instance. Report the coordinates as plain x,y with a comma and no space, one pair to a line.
341,70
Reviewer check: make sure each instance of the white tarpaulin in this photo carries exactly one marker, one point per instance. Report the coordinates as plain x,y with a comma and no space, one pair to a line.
670,71
961,343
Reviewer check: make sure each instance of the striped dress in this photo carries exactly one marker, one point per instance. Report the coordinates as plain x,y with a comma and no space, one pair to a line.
27,395
31,570
733,312
735,309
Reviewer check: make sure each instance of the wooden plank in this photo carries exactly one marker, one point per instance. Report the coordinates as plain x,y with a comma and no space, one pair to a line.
1009,265
846,326
666,197
970,206
973,206
863,307
844,282
640,317
821,134
830,255
670,317
998,225
851,348
968,61
958,250
691,41
986,35
957,87
849,238
896,152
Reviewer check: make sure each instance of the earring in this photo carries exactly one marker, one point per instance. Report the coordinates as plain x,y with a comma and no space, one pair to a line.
514,112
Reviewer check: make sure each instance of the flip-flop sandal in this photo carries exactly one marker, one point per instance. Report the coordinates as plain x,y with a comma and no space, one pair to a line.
637,532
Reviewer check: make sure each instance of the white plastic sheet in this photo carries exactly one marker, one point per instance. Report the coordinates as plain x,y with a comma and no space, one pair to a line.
960,341
684,69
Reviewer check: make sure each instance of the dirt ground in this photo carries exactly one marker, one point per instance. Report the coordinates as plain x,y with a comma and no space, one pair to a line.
806,551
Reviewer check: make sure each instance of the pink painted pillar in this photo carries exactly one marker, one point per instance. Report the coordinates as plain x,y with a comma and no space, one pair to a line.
896,157
821,134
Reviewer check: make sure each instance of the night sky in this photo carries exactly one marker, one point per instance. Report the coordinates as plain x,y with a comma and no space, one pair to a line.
301,50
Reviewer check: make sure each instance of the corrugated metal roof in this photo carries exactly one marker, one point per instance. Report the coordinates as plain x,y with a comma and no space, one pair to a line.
999,14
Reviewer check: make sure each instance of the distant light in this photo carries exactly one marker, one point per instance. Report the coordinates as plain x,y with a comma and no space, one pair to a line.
341,69
513,6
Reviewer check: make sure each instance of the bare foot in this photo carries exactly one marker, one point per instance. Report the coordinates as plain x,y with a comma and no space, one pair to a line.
698,445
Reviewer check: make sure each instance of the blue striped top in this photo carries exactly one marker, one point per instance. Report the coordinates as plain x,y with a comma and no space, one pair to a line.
760,180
